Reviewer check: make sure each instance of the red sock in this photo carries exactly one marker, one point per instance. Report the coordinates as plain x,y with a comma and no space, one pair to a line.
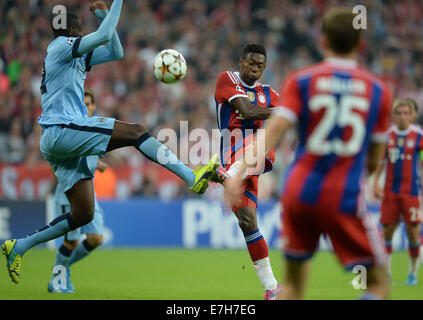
388,246
257,246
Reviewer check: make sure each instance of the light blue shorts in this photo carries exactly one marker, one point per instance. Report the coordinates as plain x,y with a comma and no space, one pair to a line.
61,206
66,147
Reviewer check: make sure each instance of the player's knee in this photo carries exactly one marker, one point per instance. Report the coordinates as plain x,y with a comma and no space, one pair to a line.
136,131
95,240
413,231
388,231
247,223
82,217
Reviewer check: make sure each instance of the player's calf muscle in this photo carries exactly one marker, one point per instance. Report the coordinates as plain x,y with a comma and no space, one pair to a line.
246,219
94,240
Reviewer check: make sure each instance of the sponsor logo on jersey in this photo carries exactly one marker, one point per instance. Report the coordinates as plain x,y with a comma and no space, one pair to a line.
410,143
251,96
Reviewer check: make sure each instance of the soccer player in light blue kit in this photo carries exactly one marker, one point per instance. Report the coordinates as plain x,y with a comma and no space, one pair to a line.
72,250
70,136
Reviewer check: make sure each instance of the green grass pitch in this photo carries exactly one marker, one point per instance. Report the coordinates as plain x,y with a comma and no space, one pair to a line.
174,274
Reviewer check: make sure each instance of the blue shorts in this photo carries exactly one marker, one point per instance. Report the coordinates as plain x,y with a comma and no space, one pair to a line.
66,147
61,206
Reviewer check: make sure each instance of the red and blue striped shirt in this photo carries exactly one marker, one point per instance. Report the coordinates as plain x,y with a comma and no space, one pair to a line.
339,109
403,160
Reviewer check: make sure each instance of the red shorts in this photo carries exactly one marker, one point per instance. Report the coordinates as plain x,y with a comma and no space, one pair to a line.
249,194
396,205
355,238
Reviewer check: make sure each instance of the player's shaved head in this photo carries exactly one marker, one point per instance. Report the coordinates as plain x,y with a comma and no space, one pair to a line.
73,26
338,28
252,63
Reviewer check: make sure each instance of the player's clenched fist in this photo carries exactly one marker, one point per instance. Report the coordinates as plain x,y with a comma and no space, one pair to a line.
97,5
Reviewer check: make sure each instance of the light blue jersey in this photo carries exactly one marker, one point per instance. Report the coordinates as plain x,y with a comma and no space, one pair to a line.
62,82
66,64
69,136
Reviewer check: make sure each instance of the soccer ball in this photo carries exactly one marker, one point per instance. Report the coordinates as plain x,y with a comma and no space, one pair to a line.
169,66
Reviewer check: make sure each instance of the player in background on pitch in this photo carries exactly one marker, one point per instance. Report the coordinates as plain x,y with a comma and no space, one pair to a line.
72,250
242,104
402,193
70,136
341,112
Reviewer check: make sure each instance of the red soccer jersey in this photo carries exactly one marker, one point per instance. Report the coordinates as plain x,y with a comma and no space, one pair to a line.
403,160
340,109
231,122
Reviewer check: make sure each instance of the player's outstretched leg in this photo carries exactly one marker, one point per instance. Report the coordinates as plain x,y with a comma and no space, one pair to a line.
259,253
81,200
126,134
413,231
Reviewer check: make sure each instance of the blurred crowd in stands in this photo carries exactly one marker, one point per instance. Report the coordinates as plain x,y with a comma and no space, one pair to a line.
211,35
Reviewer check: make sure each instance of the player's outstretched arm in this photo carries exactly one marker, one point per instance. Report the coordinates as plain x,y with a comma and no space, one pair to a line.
250,111
113,50
105,31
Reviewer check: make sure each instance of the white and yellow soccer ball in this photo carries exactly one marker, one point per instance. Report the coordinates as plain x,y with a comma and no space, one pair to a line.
169,66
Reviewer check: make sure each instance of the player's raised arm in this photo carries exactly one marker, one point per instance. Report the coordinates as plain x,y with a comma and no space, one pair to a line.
104,33
113,50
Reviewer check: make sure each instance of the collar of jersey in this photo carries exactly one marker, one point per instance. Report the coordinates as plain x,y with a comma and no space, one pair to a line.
342,62
243,83
403,132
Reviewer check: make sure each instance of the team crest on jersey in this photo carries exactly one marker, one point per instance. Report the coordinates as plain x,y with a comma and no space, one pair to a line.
400,142
410,143
70,41
262,98
251,96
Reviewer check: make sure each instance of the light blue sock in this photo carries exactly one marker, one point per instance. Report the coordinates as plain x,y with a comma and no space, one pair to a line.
159,153
54,229
63,256
81,251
